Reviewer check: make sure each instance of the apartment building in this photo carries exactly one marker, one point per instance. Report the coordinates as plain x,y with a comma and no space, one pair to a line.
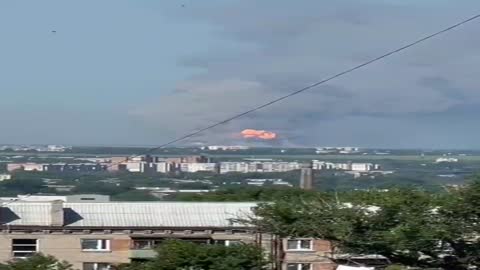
357,167
29,167
279,166
162,167
362,167
98,236
5,176
306,254
198,167
14,166
56,167
228,167
134,166
83,167
246,167
185,159
224,147
116,163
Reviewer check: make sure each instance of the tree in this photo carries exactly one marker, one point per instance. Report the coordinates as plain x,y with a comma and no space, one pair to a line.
175,255
37,262
23,186
410,227
244,194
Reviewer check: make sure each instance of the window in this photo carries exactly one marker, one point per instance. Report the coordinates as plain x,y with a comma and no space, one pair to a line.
299,244
146,243
22,248
227,243
199,241
95,244
299,266
97,266
142,244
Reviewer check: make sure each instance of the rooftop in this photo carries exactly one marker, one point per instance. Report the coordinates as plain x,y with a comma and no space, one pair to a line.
125,214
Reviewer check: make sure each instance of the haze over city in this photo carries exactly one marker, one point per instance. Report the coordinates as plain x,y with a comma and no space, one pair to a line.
239,135
144,72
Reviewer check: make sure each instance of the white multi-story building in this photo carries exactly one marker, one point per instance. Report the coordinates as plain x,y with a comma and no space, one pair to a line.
162,167
282,183
227,167
134,166
323,165
5,177
279,166
14,166
318,165
225,147
30,167
340,150
245,167
136,158
56,148
198,167
362,167
262,182
445,159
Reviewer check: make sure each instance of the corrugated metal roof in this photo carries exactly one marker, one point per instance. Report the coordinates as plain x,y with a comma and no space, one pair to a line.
128,214
28,214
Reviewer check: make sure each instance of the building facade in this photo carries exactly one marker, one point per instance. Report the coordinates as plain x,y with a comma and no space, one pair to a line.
98,236
198,167
246,167
5,176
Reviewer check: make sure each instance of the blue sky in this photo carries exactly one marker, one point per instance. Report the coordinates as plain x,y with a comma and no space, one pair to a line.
142,72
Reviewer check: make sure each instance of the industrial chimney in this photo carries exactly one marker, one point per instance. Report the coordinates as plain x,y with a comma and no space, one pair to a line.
306,176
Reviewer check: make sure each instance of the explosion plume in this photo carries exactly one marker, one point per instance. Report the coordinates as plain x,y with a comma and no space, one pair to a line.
258,134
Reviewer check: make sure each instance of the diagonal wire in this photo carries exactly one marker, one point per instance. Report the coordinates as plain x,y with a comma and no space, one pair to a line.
306,88
301,90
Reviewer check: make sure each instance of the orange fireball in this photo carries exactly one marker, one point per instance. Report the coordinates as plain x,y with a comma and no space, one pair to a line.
258,134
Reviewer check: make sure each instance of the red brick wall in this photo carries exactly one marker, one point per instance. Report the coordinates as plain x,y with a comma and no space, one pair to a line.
120,244
322,246
324,266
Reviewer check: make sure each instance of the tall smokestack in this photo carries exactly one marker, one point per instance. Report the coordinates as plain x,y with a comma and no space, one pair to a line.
306,176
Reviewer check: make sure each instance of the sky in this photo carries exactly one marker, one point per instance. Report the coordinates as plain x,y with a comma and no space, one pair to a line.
139,72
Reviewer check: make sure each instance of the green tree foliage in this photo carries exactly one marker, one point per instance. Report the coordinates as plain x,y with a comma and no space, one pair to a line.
175,255
37,262
101,188
134,195
396,267
23,186
245,194
410,227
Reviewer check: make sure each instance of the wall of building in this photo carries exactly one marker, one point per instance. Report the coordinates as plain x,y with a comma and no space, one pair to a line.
68,247
317,256
5,177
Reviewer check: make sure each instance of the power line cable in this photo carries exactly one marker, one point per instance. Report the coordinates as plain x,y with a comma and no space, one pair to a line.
299,91
296,92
